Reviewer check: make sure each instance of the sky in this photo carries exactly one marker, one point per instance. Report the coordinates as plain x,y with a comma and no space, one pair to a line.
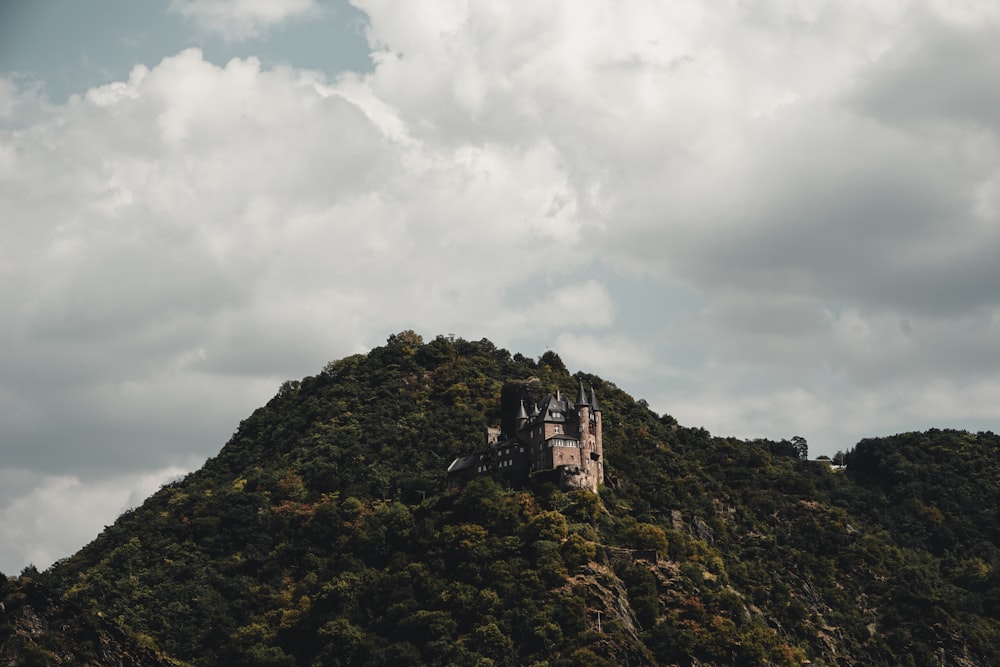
767,219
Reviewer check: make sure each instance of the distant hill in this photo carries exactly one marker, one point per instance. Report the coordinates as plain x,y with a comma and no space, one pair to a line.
325,533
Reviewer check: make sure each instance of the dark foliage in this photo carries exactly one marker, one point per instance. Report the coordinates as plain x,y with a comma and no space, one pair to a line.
325,533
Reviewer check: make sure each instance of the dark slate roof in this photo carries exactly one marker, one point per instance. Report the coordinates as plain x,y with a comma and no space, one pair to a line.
594,405
462,463
509,442
553,410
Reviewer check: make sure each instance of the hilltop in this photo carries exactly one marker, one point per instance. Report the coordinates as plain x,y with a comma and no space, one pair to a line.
325,532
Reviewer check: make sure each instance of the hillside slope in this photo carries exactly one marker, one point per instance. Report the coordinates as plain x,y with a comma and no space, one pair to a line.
325,533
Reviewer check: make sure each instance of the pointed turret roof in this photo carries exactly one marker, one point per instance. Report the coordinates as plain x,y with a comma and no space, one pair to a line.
581,396
594,405
521,414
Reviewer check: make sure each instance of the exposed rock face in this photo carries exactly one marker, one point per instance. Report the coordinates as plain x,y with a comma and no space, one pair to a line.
572,477
36,628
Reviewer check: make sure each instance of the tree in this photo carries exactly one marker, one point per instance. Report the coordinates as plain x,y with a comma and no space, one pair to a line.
647,536
548,525
553,361
801,447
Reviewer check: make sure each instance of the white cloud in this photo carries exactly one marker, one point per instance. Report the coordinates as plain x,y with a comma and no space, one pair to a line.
217,222
194,234
241,19
777,415
63,513
547,308
612,356
7,97
729,147
941,401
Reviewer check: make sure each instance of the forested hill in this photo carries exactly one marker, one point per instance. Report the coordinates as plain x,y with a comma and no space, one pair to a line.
325,533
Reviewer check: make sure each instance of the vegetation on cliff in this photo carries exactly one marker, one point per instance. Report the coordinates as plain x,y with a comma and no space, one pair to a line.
325,533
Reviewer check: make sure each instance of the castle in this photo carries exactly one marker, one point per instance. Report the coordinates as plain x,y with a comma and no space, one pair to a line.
555,436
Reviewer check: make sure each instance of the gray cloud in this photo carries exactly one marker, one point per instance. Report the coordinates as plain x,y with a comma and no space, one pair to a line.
782,217
945,72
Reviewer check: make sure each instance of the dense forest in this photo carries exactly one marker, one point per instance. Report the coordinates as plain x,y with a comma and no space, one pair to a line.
325,532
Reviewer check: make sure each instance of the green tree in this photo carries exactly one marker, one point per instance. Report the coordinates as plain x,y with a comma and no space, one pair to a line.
648,536
801,447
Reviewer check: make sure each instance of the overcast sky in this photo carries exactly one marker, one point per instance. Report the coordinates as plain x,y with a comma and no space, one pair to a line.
769,218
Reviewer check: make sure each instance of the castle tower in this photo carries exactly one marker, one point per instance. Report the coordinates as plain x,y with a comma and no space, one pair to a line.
589,463
595,408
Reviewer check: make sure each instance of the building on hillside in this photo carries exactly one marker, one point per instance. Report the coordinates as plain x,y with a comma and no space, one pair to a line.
555,436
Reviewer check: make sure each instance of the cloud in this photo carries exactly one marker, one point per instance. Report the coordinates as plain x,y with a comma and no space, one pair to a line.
214,230
7,98
547,308
60,514
804,226
757,148
613,356
752,414
238,20
792,165
942,73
